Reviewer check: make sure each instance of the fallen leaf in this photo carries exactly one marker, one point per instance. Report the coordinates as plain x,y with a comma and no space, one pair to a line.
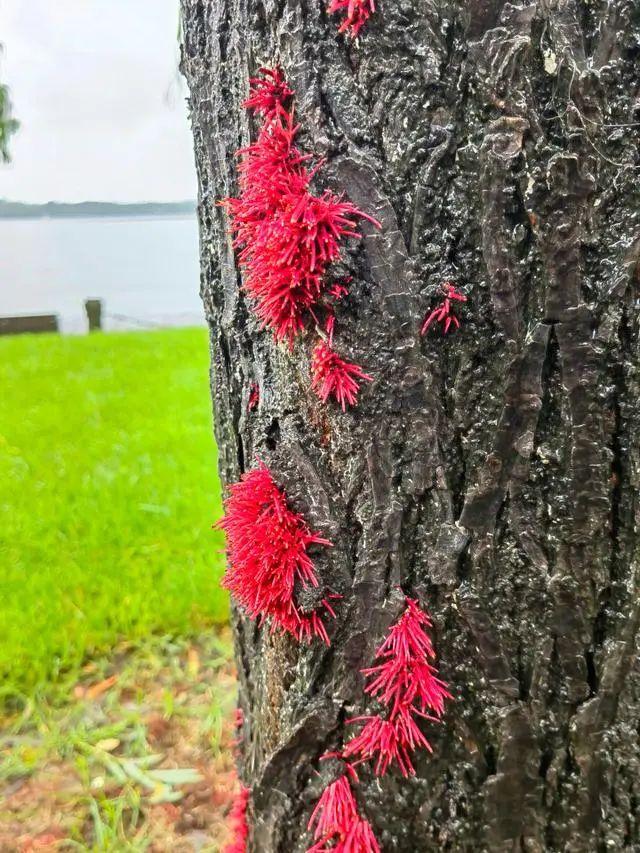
157,727
171,812
193,662
43,841
178,776
163,794
101,687
108,744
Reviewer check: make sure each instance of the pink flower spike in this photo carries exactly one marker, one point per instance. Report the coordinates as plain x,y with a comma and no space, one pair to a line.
238,820
405,677
334,377
452,293
340,288
336,824
407,638
406,681
254,397
397,684
357,13
359,839
329,326
388,742
334,811
268,93
443,313
267,548
285,236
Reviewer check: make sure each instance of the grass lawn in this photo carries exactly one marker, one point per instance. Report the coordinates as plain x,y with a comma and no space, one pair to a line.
107,495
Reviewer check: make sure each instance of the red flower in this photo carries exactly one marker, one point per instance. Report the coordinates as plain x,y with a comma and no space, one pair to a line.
387,741
335,809
334,377
238,820
254,397
336,824
357,13
285,235
267,93
408,685
239,724
267,547
399,684
443,313
406,678
286,264
330,325
340,288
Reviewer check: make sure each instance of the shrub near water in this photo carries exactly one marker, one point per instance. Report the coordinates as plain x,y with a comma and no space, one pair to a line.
107,495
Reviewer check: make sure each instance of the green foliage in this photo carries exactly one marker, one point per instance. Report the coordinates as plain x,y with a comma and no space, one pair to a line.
8,124
107,496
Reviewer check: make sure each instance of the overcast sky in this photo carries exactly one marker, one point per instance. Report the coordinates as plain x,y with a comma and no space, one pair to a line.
94,84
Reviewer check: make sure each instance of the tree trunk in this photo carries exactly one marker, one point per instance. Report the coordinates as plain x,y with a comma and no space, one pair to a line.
491,472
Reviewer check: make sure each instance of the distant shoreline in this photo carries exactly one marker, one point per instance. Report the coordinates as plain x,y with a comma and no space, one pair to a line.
94,209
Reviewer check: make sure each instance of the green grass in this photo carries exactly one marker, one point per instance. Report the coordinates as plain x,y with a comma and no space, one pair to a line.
107,495
148,726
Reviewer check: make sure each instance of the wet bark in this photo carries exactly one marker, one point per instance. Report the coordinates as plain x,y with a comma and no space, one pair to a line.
493,473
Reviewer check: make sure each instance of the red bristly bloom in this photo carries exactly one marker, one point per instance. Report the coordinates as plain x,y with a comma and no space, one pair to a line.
357,13
286,237
335,809
267,93
443,313
406,678
329,326
239,723
267,546
388,741
340,288
408,685
334,377
336,824
254,397
238,820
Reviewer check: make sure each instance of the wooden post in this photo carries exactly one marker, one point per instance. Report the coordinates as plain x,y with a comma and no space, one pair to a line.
93,307
28,324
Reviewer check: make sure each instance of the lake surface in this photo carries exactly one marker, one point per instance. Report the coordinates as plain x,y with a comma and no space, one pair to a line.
146,271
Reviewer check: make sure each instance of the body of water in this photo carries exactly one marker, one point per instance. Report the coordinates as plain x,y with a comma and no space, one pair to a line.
146,271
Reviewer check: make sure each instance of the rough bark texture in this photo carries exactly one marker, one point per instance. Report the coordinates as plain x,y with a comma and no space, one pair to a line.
493,473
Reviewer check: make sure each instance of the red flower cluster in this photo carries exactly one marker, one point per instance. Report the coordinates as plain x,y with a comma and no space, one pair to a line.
267,550
340,288
443,313
357,13
334,377
405,677
386,741
336,824
286,236
238,820
254,397
407,684
267,93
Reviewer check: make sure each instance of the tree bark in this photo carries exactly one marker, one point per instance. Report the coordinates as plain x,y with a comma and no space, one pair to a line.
492,472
